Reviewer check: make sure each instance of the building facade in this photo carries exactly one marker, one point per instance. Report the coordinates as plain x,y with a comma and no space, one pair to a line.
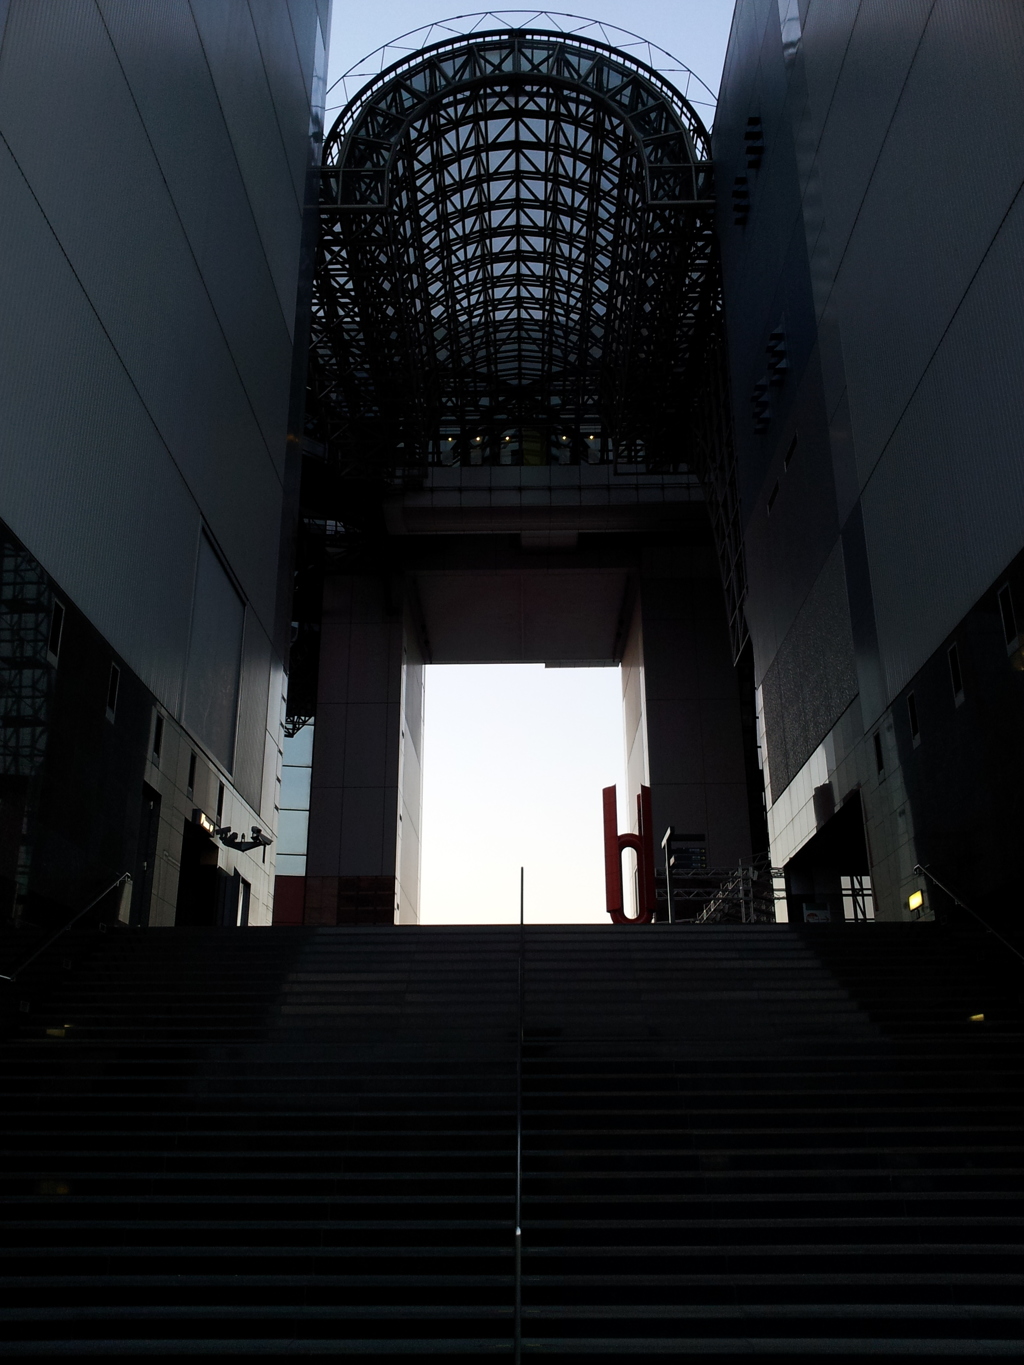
870,160
154,161
802,543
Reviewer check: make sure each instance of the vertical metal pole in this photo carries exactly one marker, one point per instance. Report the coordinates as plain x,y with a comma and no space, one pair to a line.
518,1309
668,878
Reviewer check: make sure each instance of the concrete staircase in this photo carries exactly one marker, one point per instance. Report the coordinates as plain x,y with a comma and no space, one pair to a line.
737,1141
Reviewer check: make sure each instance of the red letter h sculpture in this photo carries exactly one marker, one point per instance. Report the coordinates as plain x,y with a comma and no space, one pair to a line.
643,844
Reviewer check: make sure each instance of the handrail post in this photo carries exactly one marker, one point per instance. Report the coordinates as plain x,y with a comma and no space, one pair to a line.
518,1239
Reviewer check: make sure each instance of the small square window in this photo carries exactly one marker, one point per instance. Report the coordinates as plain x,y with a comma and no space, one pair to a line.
56,632
1008,615
915,726
879,756
956,677
113,684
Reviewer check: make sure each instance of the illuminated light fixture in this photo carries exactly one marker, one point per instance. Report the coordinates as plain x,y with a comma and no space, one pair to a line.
977,1018
479,438
204,822
916,900
591,438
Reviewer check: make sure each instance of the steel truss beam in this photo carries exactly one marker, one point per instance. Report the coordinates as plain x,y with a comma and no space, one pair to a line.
517,264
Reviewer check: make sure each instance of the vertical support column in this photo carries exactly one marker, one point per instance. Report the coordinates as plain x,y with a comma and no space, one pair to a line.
352,860
634,709
410,773
681,689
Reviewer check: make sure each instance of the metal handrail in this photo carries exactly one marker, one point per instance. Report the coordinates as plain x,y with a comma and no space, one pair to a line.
518,1310
924,871
124,877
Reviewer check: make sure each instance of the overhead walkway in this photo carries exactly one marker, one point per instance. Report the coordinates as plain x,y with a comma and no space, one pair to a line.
737,1141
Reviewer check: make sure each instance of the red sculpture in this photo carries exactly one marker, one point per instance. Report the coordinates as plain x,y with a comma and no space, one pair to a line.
643,845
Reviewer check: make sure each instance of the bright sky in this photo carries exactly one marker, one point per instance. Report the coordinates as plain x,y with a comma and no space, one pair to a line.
695,31
515,756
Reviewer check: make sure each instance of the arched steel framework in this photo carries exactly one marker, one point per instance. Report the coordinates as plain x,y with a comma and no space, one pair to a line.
516,261
516,264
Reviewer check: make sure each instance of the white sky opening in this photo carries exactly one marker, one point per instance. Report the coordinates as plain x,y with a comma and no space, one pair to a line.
514,760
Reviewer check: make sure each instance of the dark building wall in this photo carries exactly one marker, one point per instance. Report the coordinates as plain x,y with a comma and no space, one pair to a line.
153,158
361,866
96,778
970,744
682,705
882,487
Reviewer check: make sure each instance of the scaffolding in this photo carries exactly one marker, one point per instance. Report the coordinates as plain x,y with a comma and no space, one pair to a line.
26,675
746,894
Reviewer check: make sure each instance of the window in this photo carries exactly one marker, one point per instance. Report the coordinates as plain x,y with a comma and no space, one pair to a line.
956,677
915,727
158,738
113,684
56,631
220,802
879,756
1008,615
190,788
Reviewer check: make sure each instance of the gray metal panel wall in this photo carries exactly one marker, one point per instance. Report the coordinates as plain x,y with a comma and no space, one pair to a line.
85,480
909,160
951,164
928,241
813,677
944,509
251,741
232,49
150,164
170,83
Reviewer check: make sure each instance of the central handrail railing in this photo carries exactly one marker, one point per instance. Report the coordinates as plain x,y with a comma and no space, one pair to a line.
125,878
518,1238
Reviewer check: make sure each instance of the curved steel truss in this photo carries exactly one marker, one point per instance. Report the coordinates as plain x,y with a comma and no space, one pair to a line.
516,261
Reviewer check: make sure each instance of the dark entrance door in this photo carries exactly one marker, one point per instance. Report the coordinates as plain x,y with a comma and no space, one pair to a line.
228,887
198,880
244,890
145,856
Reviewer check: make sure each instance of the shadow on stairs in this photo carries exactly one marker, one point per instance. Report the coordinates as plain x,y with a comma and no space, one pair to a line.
738,1141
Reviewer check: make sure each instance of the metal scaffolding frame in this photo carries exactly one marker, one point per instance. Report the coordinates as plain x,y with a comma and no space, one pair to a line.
746,894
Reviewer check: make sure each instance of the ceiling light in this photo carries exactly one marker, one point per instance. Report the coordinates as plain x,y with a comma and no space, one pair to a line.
916,900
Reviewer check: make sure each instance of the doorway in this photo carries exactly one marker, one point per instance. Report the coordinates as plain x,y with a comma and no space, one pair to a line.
515,757
200,897
145,857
